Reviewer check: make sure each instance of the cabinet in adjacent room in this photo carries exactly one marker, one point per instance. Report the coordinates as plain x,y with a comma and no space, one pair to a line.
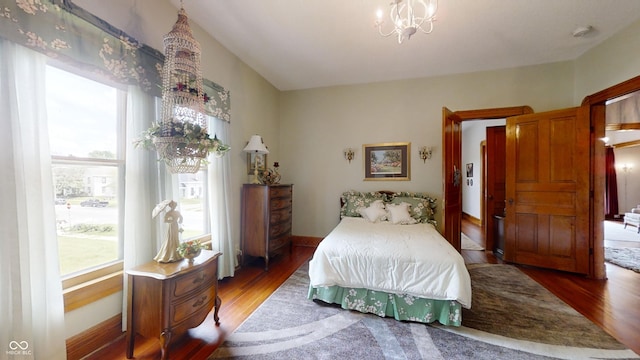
266,220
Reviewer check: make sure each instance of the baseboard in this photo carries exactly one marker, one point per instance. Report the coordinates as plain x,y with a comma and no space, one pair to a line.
305,241
94,338
472,219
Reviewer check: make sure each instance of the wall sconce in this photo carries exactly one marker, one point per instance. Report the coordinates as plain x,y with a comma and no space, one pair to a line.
349,154
425,153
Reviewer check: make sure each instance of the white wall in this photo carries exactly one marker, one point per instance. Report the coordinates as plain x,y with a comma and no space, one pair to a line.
254,108
473,134
317,124
609,63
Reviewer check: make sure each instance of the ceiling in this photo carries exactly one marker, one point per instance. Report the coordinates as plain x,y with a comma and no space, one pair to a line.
301,44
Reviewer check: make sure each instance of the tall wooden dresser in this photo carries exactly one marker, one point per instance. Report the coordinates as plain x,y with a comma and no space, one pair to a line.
167,299
266,220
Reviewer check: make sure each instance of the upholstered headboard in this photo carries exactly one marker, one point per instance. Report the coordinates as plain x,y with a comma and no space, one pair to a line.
423,206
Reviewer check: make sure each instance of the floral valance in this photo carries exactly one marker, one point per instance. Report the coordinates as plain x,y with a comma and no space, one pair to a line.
64,31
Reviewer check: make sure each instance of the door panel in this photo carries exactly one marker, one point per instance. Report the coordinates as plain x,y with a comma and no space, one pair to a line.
547,190
495,183
452,176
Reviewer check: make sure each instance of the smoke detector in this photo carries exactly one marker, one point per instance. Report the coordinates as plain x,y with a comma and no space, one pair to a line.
581,31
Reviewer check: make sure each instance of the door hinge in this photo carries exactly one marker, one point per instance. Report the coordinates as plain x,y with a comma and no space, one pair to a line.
590,251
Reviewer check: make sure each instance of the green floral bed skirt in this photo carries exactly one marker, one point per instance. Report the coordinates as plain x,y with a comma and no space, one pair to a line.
400,307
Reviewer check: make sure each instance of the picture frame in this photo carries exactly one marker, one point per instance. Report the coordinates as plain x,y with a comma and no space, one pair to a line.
470,170
262,163
387,161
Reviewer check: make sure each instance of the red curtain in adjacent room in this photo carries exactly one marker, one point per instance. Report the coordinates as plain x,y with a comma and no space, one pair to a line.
611,186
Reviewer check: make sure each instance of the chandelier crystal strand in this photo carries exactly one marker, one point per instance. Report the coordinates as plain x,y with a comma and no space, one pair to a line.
409,16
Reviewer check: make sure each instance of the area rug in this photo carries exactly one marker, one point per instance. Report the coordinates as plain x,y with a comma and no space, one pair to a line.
628,258
467,244
512,317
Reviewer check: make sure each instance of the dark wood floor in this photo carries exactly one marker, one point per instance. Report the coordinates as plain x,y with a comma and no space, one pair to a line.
612,304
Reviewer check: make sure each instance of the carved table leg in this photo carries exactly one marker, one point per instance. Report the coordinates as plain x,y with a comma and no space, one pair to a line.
215,312
165,338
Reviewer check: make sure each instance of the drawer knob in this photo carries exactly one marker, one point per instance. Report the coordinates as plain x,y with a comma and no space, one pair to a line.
200,301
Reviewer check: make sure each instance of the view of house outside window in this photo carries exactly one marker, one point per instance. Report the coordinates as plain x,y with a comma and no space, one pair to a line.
83,118
193,199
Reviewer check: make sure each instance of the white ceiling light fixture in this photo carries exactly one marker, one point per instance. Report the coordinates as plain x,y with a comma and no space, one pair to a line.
409,16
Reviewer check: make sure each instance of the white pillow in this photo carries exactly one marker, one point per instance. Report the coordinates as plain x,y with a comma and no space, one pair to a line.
399,214
374,213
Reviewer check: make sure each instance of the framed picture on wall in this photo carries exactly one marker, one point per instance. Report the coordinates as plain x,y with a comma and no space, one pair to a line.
470,170
251,163
387,161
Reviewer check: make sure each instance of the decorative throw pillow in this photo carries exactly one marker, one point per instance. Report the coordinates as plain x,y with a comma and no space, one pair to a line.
353,200
422,206
399,214
374,213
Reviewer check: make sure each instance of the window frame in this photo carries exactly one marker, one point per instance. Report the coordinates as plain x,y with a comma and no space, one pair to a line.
88,285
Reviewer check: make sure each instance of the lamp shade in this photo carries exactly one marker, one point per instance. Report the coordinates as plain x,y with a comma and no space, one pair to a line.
256,145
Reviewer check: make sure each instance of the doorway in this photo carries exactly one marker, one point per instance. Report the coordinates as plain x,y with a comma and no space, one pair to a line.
623,171
597,104
452,167
451,173
483,143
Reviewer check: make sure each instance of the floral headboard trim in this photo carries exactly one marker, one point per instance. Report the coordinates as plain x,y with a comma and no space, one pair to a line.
352,200
423,206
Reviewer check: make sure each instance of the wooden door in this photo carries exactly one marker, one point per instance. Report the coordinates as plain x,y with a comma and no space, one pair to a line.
494,203
547,190
452,176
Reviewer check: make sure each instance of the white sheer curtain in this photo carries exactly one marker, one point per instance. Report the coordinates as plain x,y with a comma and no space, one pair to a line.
141,182
31,302
220,202
147,182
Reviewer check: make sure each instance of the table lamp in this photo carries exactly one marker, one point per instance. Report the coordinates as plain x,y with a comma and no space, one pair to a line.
256,145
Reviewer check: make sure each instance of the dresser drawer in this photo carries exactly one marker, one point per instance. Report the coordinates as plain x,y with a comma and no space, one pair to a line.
279,230
193,281
200,302
280,192
280,215
280,203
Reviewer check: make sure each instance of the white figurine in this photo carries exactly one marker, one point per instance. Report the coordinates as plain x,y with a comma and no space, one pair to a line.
169,250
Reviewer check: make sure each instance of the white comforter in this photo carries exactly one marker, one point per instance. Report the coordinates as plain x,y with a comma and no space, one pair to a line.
399,259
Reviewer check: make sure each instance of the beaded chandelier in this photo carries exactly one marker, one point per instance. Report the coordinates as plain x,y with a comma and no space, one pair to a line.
182,142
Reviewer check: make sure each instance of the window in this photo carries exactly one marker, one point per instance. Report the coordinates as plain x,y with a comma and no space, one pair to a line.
85,120
193,204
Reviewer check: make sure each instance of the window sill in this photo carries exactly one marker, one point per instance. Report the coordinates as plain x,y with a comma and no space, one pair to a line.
86,288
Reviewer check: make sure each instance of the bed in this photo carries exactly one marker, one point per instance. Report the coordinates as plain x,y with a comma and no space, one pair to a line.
387,258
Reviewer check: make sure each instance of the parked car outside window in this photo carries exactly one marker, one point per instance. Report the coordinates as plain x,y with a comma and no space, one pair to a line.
94,203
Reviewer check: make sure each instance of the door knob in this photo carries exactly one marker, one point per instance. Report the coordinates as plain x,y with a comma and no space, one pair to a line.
510,201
